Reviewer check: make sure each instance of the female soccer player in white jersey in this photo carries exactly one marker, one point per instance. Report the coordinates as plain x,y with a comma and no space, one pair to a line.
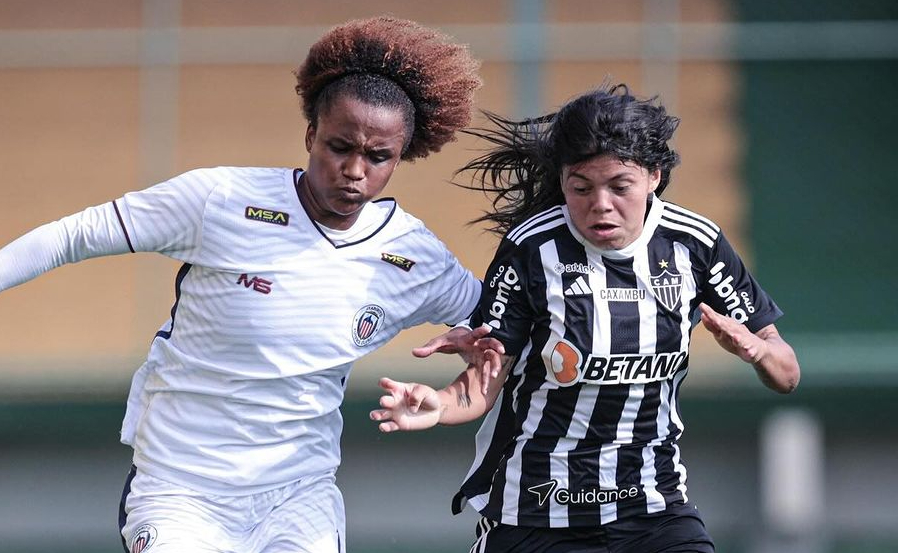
289,276
594,292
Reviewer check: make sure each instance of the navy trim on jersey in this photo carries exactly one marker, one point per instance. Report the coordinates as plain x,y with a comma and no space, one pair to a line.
298,172
185,268
122,223
122,515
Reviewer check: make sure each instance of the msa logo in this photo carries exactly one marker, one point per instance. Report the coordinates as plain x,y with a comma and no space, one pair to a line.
738,304
267,216
402,262
256,283
504,281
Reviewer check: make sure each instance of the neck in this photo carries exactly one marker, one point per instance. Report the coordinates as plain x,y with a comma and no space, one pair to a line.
317,212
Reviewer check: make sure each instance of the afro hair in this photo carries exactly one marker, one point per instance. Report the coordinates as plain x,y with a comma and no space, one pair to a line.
438,76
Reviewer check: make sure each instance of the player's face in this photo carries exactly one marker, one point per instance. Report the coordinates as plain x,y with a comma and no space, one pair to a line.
606,199
353,151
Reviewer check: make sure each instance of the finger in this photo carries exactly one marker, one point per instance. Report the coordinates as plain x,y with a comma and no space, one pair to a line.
484,344
388,402
432,346
416,398
390,385
380,415
495,363
388,426
481,331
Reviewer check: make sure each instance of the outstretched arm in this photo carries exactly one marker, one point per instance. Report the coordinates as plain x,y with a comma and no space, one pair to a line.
411,406
474,346
93,232
770,355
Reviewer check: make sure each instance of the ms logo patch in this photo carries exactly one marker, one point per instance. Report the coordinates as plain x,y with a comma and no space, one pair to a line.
143,538
366,323
667,287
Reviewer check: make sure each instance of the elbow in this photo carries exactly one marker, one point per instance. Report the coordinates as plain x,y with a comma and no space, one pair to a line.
789,381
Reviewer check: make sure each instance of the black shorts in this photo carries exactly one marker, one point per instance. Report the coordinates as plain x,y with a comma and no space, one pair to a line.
678,529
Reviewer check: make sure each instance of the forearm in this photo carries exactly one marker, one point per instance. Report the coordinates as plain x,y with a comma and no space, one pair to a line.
462,401
778,368
91,233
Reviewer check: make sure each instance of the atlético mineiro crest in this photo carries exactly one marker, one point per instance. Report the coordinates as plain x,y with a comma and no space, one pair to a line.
366,323
143,538
667,288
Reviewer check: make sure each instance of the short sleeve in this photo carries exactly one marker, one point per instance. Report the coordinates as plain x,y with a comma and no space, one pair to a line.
505,301
729,288
453,294
168,218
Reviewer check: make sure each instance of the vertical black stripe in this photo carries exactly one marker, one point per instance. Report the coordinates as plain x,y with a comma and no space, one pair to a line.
625,322
122,515
122,223
182,272
501,445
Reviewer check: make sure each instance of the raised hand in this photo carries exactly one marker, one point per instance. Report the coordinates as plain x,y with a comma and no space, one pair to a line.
733,336
474,346
407,406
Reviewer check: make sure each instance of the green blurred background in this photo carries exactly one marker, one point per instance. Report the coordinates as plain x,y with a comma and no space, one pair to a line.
787,139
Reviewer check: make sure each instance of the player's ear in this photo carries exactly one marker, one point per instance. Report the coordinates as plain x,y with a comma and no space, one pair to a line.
654,179
310,137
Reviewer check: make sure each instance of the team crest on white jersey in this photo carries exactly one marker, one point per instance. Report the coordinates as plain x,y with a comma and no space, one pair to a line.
667,288
143,538
366,323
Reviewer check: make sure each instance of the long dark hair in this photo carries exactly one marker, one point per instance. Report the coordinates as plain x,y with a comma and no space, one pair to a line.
522,167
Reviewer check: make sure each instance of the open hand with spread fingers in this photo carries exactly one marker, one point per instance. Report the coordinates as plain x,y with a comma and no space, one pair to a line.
474,346
733,336
407,406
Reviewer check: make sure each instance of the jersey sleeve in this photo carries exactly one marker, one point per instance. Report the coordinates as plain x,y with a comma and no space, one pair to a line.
453,294
168,218
729,288
505,301
94,232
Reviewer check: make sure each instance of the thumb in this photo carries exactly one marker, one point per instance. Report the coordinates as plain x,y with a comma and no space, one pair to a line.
430,347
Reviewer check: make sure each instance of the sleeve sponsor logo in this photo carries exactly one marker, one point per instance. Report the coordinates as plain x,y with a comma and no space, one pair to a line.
565,366
397,260
504,282
267,216
738,304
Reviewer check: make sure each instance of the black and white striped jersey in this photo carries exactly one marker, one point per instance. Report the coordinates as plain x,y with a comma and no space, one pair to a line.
585,430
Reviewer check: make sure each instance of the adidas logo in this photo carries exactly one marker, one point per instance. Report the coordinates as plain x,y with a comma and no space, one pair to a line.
578,288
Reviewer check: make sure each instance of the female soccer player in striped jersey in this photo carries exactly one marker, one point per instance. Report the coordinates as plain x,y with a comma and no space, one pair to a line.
594,292
288,277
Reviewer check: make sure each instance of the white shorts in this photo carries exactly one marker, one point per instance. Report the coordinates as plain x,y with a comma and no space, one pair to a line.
161,517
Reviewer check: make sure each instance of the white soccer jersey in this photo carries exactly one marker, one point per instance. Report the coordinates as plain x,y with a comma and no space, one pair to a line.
242,386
